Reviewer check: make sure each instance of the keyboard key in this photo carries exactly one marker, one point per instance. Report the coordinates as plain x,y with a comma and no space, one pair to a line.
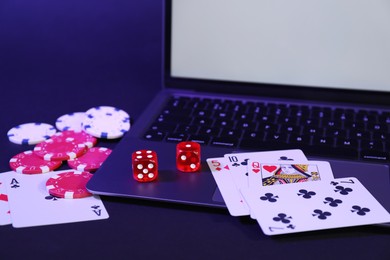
177,102
210,131
264,127
297,139
202,139
366,116
243,116
287,120
176,137
344,114
354,125
313,131
276,137
374,155
321,112
232,133
377,127
244,124
359,134
323,141
224,141
250,136
223,115
199,121
336,132
186,129
310,122
222,123
331,124
262,119
380,136
384,118
169,119
163,127
201,113
154,135
346,143
290,128
372,145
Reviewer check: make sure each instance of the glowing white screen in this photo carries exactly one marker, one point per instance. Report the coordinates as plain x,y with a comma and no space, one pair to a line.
325,43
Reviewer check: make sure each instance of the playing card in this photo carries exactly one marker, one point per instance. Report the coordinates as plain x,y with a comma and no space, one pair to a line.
231,196
276,173
316,205
32,205
238,162
5,216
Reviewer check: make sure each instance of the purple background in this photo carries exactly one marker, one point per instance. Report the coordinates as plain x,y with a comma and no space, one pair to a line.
58,57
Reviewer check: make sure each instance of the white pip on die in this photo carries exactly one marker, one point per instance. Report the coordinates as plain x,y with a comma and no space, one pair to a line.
145,165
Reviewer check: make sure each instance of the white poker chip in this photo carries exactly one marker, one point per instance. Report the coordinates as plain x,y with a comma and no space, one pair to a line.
31,133
71,121
106,122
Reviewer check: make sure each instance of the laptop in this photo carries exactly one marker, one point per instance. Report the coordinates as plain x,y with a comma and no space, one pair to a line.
245,76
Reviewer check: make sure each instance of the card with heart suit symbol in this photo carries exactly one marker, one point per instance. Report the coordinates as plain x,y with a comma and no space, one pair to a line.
238,162
275,173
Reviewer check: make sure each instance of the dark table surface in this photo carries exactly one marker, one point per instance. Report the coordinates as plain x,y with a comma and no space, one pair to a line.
58,57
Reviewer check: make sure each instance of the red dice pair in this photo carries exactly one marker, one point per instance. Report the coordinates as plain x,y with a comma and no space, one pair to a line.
145,165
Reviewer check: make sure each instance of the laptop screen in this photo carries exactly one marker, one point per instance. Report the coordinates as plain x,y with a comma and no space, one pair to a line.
329,44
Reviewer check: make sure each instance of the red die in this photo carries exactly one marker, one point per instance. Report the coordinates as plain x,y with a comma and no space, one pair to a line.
188,156
145,166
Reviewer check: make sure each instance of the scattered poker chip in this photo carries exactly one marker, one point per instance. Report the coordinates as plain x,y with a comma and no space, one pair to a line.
106,122
71,121
69,185
79,137
59,149
29,163
31,133
91,160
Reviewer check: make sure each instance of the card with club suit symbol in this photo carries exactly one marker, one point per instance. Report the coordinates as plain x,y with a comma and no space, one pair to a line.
224,168
238,162
316,205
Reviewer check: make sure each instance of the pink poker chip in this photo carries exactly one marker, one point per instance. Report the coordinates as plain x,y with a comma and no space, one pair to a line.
91,160
69,185
59,149
79,137
29,163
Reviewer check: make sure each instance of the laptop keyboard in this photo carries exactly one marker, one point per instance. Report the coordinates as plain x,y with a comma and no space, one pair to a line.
317,130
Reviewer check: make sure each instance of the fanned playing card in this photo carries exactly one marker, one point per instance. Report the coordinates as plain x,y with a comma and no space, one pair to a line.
231,196
287,172
307,206
32,205
5,216
238,173
238,162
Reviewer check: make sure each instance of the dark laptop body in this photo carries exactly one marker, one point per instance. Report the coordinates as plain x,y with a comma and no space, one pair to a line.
114,178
